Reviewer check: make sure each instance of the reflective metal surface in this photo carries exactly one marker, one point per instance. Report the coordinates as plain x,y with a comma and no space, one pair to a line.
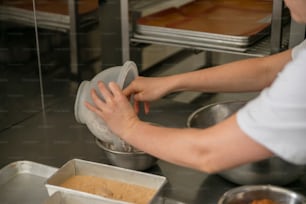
55,138
269,171
23,182
135,160
213,113
248,194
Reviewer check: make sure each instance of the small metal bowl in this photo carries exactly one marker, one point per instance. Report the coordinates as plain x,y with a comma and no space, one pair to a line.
135,160
273,170
248,194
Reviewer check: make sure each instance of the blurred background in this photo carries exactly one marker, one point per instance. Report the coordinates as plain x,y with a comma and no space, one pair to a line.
48,47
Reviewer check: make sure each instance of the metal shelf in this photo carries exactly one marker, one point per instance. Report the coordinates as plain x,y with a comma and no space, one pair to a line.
277,40
123,35
52,15
260,48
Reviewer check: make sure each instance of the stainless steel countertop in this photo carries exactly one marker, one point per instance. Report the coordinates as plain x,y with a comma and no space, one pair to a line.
54,137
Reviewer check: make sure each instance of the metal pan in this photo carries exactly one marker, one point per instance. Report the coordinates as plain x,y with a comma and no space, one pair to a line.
72,198
201,37
81,167
185,42
23,182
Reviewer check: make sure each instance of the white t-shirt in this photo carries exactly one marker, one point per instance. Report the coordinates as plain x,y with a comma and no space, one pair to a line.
277,117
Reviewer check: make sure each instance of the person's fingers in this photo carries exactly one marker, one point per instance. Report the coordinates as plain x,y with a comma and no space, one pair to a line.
117,92
107,95
94,109
146,107
97,100
115,89
139,96
136,106
128,91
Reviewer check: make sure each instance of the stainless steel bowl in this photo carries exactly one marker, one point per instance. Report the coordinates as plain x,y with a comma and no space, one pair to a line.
214,113
247,194
136,160
268,171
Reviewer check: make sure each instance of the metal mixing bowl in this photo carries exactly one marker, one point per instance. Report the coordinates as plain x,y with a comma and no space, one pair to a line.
136,160
247,194
269,171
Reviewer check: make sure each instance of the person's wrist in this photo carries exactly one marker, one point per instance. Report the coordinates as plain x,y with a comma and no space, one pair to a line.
173,83
132,129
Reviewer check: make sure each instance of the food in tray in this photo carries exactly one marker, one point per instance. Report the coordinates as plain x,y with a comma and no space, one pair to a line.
163,18
263,201
110,188
234,18
122,185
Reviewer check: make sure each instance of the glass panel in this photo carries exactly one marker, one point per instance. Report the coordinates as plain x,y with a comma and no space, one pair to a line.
19,79
60,52
21,54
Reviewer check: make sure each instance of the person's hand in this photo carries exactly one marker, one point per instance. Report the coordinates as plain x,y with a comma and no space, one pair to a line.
145,89
115,109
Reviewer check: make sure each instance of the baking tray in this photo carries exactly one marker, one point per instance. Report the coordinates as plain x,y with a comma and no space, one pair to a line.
52,21
202,36
23,182
82,167
168,40
238,23
72,198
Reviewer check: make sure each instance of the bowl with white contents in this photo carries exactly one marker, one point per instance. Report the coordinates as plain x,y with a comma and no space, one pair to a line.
132,159
123,76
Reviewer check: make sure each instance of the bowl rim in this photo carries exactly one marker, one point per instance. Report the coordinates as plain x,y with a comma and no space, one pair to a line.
191,116
126,68
78,101
268,187
102,146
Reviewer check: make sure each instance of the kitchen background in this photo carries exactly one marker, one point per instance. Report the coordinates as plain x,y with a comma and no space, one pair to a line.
48,47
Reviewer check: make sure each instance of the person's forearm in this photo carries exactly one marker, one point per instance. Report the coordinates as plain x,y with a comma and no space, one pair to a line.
209,150
174,145
240,76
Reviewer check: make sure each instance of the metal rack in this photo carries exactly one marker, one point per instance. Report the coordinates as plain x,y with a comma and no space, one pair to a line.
71,23
281,36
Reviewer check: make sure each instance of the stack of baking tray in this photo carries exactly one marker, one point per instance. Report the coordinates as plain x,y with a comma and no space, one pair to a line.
145,7
50,14
232,25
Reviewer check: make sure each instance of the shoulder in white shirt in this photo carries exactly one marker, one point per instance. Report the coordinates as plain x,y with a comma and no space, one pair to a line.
277,117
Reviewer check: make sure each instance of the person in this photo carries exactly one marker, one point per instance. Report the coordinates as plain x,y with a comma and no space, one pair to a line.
274,123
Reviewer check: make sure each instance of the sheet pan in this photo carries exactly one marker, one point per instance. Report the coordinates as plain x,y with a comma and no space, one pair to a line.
23,182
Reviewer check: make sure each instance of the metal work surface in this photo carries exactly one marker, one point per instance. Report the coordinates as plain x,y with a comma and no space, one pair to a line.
54,138
23,182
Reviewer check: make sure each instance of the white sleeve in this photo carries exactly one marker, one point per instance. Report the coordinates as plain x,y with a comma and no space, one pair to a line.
297,49
277,117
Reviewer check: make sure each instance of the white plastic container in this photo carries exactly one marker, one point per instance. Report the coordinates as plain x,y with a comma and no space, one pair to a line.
123,76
